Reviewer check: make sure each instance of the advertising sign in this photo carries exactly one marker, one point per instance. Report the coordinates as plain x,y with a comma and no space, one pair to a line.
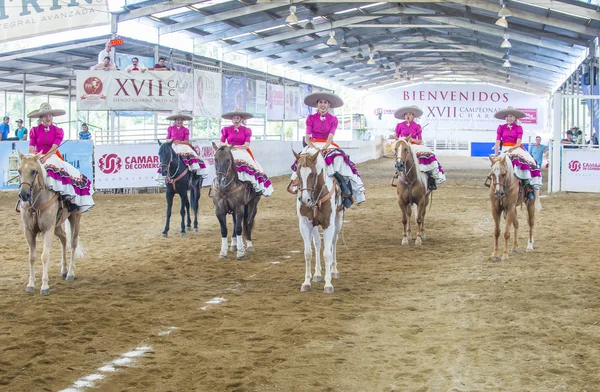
580,170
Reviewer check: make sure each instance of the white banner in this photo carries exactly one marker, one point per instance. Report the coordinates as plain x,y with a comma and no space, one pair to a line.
32,18
275,102
261,98
136,165
292,103
207,99
118,90
580,170
454,106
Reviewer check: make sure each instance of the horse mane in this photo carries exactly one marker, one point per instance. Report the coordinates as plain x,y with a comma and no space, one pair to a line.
498,165
421,177
41,177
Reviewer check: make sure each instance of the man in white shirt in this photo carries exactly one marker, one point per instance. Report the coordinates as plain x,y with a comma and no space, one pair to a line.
107,52
136,66
105,65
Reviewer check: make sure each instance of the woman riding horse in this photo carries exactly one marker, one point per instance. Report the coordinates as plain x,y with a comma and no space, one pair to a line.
510,135
427,160
45,138
237,137
180,136
320,130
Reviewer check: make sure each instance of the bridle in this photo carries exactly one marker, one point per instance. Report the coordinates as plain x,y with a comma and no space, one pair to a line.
169,176
222,190
403,171
316,202
35,211
495,182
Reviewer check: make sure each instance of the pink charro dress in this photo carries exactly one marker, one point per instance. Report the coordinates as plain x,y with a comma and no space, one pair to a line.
523,163
183,148
427,160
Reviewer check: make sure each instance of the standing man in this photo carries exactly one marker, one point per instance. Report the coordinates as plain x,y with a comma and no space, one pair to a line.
107,51
537,151
21,131
5,128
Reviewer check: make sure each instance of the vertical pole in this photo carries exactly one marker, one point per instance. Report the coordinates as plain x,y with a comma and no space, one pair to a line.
69,113
24,96
555,158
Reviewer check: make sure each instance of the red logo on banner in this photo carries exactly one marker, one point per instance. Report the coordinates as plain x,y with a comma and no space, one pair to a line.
110,163
530,116
574,166
92,85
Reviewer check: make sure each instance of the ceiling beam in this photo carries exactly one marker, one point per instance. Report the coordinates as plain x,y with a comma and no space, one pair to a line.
20,54
154,9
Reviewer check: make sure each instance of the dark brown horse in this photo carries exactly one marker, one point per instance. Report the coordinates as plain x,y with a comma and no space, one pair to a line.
411,189
506,195
235,197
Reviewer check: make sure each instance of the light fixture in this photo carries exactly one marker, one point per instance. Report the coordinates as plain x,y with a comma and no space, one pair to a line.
506,43
506,64
359,56
292,18
344,44
331,40
371,61
502,22
504,11
381,67
506,57
309,25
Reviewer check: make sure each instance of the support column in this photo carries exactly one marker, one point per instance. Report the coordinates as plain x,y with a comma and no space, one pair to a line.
555,158
24,97
69,112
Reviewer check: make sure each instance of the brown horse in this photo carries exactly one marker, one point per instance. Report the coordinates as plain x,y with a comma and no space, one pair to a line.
43,212
235,197
506,194
411,189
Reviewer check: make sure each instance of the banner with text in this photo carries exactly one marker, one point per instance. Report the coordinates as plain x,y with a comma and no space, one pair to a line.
261,99
580,170
275,102
292,103
455,107
234,93
117,90
207,101
41,17
305,110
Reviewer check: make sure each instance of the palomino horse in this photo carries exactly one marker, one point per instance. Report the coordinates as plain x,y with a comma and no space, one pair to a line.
506,195
235,197
43,212
319,204
178,181
411,188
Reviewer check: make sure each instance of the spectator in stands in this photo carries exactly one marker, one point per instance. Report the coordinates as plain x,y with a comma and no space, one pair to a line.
568,142
580,137
21,131
5,128
367,136
160,66
85,133
107,51
105,65
136,66
537,151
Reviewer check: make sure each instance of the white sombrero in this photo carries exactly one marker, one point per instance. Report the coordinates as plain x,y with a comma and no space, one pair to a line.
175,114
237,112
501,115
414,109
45,108
334,101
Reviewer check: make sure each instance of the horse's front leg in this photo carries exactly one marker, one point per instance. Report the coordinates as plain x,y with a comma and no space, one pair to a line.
515,223
62,236
316,240
48,237
31,237
421,208
405,220
510,216
531,222
328,235
233,247
185,205
308,233
496,213
339,220
75,222
237,229
249,216
195,201
169,195
222,217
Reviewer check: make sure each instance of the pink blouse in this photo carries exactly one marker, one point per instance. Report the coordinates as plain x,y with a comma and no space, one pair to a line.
509,133
320,129
413,130
42,140
178,133
236,138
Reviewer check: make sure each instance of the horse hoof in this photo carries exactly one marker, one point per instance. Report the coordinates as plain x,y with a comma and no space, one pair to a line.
328,290
182,234
29,289
504,258
70,277
496,258
64,276
188,227
418,243
409,238
404,241
240,255
233,248
45,292
164,235
305,288
250,249
222,256
335,275
529,249
195,229
317,278
514,251
423,237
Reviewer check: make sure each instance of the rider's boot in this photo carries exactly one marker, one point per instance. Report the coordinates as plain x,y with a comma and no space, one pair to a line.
528,190
71,207
431,182
346,190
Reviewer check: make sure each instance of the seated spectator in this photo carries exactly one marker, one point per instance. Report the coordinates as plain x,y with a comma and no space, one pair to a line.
5,128
136,66
568,141
105,65
21,131
580,137
537,151
160,66
85,134
107,51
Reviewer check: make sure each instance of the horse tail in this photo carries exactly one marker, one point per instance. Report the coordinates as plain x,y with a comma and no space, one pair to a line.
79,251
538,204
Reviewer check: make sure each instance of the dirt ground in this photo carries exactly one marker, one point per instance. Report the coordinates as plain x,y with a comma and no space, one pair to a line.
440,317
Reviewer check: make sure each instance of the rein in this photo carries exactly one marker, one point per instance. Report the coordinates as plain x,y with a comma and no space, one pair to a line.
403,177
169,177
219,189
317,202
33,210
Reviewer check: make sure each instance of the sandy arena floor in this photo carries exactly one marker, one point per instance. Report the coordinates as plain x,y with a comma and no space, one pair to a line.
441,317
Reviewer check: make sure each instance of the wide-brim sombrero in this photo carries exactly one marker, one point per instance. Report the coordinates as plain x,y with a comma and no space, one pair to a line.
414,109
179,114
237,112
501,115
334,100
44,109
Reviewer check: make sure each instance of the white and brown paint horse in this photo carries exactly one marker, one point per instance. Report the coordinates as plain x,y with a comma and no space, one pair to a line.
506,195
43,212
411,189
319,204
